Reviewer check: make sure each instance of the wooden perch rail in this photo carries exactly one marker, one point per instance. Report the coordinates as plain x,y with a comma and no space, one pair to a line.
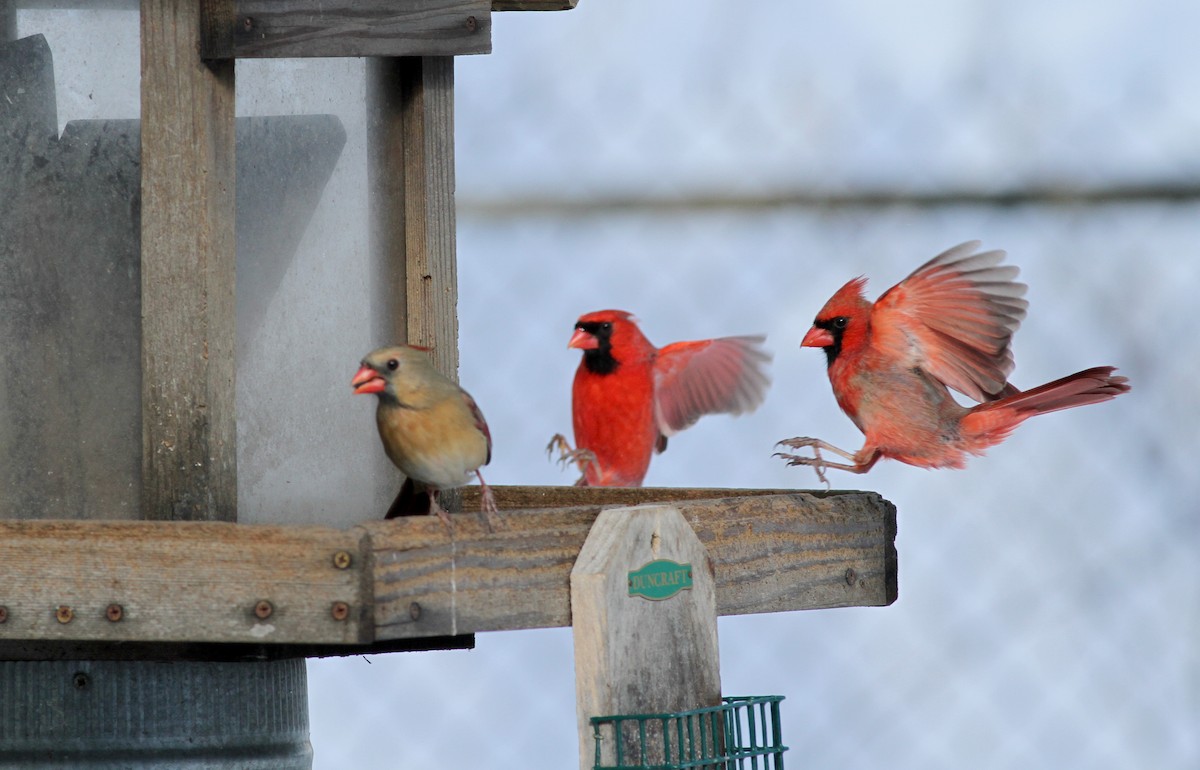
146,583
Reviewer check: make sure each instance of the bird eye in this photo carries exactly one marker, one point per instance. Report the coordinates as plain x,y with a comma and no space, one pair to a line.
606,327
840,322
393,364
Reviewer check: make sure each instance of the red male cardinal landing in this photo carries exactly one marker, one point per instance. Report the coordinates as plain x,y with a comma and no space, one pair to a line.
947,325
629,396
431,428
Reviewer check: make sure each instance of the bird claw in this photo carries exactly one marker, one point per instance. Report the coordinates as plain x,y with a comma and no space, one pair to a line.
436,508
816,462
581,458
488,509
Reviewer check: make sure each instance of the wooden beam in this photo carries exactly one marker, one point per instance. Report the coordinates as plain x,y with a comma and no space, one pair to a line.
129,5
411,579
772,553
306,28
533,5
183,582
189,435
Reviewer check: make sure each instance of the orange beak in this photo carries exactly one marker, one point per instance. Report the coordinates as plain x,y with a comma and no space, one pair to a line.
817,338
367,380
581,340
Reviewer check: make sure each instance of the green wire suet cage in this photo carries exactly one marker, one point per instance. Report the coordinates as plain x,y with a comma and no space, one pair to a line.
743,733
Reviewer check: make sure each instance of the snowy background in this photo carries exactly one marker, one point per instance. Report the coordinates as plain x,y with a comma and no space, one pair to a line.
721,168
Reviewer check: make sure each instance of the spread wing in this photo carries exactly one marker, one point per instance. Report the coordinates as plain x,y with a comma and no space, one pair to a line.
954,317
692,379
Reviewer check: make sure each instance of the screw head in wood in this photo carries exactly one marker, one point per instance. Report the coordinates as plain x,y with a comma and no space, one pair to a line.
64,614
472,24
342,560
263,609
3,613
414,611
340,610
81,680
114,612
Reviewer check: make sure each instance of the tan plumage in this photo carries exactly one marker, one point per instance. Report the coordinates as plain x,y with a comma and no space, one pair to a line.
431,429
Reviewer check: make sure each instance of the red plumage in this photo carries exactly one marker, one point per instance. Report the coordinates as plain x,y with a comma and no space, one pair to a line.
948,325
629,396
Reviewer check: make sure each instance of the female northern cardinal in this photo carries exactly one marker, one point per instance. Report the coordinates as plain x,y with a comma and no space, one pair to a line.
431,428
947,325
629,396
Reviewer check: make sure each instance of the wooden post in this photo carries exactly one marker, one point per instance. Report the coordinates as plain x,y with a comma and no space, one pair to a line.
410,132
189,435
638,655
410,172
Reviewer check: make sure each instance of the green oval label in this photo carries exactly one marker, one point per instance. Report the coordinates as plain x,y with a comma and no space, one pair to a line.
660,579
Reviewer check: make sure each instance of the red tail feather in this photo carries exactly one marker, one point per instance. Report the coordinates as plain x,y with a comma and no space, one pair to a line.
989,423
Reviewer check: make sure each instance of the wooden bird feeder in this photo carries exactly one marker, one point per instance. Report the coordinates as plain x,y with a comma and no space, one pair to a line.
183,580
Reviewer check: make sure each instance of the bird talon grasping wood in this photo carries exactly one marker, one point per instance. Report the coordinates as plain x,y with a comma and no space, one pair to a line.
949,324
432,430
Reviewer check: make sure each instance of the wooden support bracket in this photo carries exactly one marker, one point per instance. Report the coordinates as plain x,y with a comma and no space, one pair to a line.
175,587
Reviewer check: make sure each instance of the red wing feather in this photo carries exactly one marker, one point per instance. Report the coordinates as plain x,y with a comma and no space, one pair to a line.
702,377
954,317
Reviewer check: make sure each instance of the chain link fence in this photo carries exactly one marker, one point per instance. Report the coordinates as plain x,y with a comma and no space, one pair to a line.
722,169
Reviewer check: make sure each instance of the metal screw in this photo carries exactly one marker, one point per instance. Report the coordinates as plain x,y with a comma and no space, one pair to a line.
851,576
472,24
81,680
340,610
64,614
114,612
263,609
342,560
3,613
248,23
414,611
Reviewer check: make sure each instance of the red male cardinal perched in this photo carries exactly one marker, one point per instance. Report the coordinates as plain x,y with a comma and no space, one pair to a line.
629,396
947,325
431,428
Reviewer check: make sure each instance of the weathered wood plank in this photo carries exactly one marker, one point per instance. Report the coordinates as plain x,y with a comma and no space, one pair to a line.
517,497
533,5
771,553
409,579
306,28
72,649
411,139
189,435
182,582
634,655
497,5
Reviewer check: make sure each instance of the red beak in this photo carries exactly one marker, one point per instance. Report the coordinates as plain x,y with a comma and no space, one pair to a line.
581,340
817,338
367,380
